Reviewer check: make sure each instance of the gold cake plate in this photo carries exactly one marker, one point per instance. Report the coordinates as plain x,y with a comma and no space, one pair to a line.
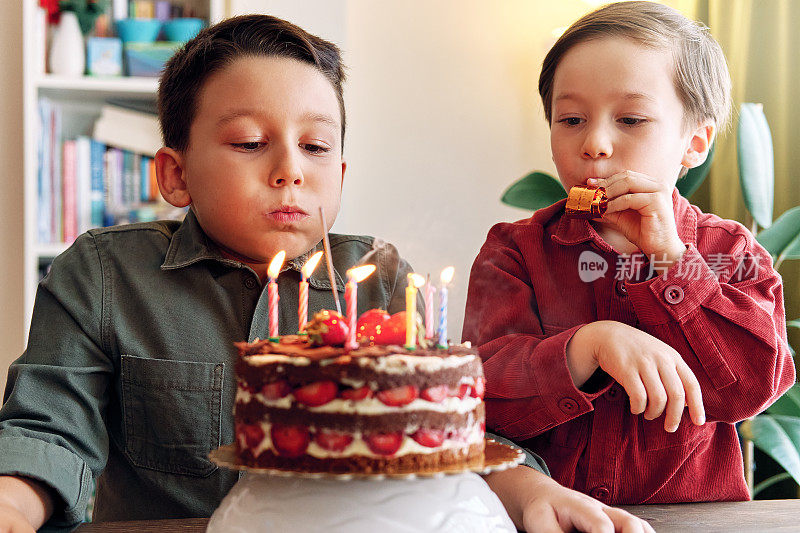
496,457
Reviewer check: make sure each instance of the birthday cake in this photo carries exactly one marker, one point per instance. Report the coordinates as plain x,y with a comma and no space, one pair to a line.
305,403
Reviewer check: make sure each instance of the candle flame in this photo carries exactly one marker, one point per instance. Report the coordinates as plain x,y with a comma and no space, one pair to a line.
416,280
360,273
447,274
276,264
311,264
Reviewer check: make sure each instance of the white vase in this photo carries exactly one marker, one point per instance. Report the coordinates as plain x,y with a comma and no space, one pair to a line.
67,52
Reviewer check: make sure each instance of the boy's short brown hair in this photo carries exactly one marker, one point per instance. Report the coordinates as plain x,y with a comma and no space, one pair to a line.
701,79
219,45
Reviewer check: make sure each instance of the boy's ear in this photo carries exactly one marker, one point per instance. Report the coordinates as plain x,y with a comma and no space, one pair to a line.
171,180
699,144
344,167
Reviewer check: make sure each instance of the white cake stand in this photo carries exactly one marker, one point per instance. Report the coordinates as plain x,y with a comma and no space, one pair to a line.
284,501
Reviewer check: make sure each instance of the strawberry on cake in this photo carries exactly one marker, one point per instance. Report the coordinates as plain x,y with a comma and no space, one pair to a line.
306,404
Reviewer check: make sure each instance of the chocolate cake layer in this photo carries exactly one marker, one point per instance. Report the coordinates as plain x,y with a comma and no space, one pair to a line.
295,345
257,376
432,462
255,412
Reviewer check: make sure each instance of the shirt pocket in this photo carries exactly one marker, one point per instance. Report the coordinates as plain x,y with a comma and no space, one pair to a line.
656,438
172,412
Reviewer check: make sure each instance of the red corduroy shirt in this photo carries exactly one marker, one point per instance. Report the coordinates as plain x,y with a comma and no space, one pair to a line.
533,285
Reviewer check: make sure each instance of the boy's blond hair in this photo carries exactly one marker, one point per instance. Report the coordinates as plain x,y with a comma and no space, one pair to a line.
701,79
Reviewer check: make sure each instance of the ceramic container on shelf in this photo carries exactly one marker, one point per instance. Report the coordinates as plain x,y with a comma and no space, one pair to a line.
67,55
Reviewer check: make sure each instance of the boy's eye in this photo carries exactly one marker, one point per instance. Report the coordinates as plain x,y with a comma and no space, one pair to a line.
315,148
248,146
571,121
632,121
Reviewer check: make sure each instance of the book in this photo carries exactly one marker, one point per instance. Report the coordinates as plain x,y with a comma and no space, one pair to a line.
45,175
128,129
83,175
97,198
69,189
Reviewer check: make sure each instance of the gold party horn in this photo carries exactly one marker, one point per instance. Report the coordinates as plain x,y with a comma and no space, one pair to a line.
586,202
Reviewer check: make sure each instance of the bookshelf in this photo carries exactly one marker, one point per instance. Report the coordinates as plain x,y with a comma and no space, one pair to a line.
81,99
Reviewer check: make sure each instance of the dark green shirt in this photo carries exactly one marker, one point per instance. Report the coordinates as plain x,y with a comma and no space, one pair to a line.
128,372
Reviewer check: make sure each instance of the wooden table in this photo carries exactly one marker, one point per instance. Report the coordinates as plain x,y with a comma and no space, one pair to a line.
763,516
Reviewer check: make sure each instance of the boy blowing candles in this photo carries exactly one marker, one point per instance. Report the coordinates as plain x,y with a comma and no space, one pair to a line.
128,373
629,384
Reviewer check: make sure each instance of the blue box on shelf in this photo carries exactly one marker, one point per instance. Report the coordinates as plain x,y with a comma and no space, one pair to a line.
147,59
104,56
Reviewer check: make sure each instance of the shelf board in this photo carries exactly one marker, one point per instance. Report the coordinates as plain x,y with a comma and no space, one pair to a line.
90,84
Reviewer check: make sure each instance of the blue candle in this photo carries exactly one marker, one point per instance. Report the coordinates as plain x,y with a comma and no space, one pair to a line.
447,277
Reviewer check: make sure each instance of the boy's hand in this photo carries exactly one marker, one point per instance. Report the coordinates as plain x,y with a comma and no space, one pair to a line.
13,521
640,207
562,509
538,504
654,374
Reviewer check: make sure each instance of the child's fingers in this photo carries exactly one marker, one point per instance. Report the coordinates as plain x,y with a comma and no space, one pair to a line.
545,521
626,182
636,201
637,394
677,397
694,395
626,522
656,395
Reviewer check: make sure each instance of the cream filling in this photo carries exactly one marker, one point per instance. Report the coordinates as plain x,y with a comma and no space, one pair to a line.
359,446
390,364
367,406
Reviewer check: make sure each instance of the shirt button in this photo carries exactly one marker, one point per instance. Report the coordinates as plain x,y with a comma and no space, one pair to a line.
250,283
621,289
612,393
673,294
600,493
568,405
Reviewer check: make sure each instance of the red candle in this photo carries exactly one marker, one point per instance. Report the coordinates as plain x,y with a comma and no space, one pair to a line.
272,292
354,275
302,307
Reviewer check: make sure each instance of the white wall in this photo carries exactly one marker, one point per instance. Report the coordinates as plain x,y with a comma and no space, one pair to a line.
11,207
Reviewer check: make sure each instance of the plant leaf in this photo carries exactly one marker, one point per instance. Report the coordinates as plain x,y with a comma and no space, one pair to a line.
756,170
793,323
534,191
688,184
788,404
777,436
783,237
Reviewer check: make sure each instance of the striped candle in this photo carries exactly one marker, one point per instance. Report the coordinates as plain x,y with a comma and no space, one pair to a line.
446,277
429,310
272,292
302,306
443,317
354,276
272,289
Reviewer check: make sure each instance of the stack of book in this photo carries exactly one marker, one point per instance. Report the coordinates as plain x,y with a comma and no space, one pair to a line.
104,179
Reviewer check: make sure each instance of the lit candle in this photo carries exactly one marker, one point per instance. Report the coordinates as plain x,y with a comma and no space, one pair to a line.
415,281
302,306
429,309
354,276
272,291
446,277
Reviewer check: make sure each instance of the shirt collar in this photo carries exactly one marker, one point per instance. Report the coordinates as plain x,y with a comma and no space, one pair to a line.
190,244
571,231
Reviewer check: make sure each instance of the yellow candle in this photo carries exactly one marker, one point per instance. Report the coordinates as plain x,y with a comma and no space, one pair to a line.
415,281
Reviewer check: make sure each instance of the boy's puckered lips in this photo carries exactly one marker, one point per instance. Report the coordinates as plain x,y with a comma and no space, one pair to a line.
287,214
